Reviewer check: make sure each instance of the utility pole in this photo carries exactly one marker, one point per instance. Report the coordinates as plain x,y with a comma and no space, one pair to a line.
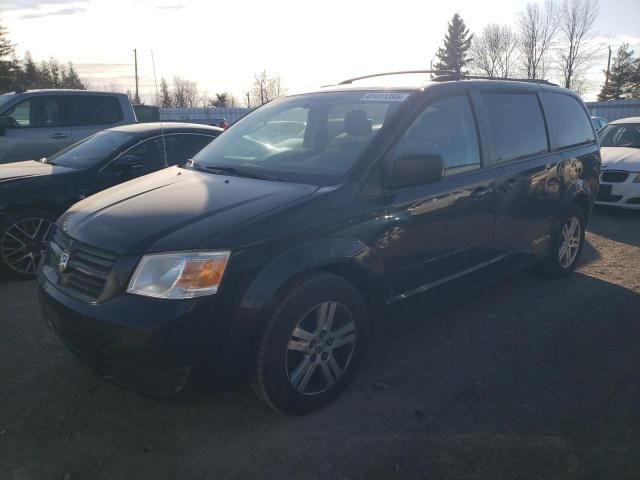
606,78
136,99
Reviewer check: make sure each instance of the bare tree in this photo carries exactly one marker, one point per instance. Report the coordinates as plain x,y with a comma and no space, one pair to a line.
492,51
576,53
185,93
265,88
537,27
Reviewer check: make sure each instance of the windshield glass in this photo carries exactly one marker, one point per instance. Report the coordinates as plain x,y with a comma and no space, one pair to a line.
313,138
620,135
92,150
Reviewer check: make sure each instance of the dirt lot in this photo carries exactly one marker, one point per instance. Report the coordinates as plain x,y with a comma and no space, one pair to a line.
522,378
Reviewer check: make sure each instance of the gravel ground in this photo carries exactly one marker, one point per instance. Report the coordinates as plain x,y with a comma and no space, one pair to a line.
521,378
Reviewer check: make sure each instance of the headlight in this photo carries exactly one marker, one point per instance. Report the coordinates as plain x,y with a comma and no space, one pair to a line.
179,275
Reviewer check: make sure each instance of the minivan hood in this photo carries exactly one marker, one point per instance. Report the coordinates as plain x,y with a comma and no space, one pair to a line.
621,158
29,168
174,209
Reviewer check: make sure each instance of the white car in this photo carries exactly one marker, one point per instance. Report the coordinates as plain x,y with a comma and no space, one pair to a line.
620,177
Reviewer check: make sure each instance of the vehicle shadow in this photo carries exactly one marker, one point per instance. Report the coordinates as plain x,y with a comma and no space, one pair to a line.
616,224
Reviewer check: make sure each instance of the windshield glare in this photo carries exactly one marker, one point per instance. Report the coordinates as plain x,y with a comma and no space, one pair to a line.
92,150
620,135
313,138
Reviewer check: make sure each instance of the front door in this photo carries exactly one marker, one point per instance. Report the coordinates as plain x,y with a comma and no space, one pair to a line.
442,229
37,128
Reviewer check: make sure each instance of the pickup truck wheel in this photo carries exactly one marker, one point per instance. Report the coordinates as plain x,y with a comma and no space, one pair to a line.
23,240
567,245
311,345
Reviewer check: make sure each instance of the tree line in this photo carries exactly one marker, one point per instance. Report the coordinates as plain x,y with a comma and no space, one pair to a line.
185,93
554,38
16,74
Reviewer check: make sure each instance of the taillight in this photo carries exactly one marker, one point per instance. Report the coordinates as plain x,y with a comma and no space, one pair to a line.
224,124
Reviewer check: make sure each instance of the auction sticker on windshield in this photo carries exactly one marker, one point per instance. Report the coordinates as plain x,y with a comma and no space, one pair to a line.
385,97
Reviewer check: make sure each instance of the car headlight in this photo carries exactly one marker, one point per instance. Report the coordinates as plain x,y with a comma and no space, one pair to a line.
179,275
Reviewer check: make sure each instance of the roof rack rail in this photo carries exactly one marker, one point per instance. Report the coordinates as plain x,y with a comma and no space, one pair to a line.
462,76
402,72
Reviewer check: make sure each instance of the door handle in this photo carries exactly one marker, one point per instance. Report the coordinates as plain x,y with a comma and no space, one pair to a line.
57,136
481,192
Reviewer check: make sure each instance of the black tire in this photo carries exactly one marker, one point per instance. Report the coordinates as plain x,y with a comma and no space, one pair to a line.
278,365
10,241
553,266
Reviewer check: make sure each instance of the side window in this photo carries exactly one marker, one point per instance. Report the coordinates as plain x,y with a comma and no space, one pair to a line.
149,153
447,128
95,110
568,119
516,125
182,147
38,111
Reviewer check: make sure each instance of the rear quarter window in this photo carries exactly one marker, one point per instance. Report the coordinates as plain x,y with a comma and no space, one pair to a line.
516,125
95,110
568,119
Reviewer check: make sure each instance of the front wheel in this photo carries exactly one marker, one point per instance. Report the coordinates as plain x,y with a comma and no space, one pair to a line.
311,344
23,239
567,244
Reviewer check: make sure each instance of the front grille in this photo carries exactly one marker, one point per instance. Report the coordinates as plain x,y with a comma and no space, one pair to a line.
88,267
614,177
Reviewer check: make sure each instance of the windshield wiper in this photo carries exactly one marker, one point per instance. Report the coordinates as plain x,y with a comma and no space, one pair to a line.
227,170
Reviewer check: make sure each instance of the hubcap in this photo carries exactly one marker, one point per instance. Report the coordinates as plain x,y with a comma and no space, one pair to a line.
570,242
23,244
320,348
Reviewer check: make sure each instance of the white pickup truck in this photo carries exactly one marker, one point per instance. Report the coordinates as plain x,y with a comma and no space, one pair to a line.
38,123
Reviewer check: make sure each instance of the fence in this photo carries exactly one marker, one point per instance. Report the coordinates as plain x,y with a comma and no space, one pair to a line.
202,115
615,109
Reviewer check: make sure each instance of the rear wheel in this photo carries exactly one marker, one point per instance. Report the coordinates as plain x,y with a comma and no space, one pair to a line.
567,244
23,240
312,344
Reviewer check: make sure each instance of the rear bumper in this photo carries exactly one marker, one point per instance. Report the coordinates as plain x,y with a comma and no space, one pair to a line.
140,343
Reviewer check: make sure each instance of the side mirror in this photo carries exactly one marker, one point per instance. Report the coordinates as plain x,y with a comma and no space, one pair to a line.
127,163
417,169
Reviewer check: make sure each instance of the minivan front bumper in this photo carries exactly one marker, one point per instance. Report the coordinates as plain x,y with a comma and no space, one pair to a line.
141,343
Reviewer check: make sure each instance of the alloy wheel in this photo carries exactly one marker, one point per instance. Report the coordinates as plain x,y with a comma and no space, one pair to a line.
570,242
23,244
320,348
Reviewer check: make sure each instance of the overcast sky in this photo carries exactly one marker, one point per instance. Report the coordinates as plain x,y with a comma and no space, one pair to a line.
221,44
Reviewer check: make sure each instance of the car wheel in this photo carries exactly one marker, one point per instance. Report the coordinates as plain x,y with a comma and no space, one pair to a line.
312,344
23,240
567,244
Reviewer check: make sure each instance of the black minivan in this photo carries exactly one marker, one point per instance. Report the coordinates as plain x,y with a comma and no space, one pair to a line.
267,255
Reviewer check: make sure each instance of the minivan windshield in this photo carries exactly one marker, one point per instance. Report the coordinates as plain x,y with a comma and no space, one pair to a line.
313,138
93,150
620,135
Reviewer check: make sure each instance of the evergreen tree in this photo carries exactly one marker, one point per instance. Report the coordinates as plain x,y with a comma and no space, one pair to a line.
8,72
221,100
30,76
71,79
453,55
621,76
165,99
